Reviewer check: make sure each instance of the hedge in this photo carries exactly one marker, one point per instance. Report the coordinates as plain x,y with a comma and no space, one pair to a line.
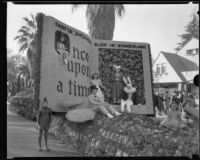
24,105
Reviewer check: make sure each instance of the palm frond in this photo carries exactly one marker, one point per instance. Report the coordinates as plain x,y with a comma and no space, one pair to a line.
120,10
17,37
22,40
32,24
23,47
29,55
29,22
24,32
26,28
33,18
26,19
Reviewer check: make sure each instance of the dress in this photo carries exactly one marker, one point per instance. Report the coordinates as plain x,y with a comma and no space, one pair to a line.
116,91
63,52
44,118
97,83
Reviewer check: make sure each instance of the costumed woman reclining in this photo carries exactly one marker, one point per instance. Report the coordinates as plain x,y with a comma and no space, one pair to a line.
98,104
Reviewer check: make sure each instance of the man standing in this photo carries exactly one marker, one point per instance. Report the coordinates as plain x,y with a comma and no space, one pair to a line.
167,101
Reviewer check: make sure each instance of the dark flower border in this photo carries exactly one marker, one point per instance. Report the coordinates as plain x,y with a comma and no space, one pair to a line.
39,20
151,74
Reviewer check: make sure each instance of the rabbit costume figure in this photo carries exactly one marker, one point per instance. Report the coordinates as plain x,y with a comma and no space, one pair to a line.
128,95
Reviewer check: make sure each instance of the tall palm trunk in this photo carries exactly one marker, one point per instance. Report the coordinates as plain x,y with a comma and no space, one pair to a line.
101,21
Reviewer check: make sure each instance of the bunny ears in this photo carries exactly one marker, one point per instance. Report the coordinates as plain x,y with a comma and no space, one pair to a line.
127,81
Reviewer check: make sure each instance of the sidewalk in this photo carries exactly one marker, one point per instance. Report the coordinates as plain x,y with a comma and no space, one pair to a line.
22,140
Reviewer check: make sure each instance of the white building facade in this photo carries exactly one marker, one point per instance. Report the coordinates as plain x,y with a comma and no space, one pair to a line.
177,70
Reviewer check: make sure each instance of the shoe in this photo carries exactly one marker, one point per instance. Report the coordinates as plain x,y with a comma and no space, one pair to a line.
109,115
40,149
46,149
117,113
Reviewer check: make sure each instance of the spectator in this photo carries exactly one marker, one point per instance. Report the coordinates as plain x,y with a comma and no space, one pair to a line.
43,123
155,100
158,103
188,102
167,101
182,96
173,117
175,98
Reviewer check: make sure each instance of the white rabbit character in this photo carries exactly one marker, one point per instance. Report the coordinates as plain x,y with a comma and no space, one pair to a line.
127,96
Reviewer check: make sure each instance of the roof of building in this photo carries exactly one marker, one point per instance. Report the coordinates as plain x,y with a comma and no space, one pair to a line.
180,64
177,51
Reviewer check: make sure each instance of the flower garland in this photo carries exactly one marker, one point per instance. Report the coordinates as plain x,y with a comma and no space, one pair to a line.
39,20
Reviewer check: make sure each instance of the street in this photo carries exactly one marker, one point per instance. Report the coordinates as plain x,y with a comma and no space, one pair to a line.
22,140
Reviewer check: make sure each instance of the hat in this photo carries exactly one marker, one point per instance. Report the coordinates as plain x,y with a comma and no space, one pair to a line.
93,87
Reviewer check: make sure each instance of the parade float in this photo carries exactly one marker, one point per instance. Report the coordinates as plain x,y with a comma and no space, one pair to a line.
64,78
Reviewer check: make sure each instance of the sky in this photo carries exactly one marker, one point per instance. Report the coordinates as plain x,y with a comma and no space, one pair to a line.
158,25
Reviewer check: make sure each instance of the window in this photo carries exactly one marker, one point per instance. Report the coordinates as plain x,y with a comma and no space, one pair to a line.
189,51
158,69
196,51
163,68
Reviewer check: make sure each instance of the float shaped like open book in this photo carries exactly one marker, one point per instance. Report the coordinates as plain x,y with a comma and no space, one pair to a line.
69,84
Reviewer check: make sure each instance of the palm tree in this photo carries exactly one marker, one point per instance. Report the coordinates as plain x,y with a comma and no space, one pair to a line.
101,19
26,40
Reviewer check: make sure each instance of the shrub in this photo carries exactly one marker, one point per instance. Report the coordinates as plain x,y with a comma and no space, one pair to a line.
27,92
24,105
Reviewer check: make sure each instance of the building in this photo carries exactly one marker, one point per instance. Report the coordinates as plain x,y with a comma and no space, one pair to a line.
190,50
177,70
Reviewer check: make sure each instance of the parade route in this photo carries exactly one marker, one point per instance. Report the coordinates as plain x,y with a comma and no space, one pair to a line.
22,140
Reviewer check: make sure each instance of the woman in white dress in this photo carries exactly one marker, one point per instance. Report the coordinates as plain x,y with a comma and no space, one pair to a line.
97,82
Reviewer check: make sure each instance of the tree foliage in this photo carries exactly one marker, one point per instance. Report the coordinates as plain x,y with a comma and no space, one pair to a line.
101,19
17,65
26,40
191,30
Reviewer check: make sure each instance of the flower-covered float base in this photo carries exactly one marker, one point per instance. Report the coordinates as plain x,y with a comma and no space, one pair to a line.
126,135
